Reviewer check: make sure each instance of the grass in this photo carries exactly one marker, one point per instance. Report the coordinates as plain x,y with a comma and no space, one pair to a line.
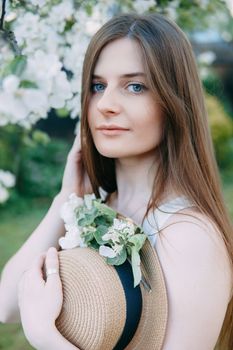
18,220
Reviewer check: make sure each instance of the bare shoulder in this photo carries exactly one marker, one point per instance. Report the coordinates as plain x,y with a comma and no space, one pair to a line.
198,276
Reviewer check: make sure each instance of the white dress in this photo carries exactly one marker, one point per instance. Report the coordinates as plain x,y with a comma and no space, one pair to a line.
156,221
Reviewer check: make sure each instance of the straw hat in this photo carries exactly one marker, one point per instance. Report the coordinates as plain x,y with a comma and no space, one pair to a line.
98,298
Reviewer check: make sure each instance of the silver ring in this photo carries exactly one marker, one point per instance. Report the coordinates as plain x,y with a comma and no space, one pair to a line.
51,271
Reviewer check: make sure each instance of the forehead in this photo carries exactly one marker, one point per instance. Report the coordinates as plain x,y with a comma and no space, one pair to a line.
120,56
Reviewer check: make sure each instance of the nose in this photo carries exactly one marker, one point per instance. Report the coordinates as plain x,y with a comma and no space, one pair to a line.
108,102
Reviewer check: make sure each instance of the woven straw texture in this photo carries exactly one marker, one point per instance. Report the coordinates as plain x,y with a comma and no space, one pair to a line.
94,308
151,330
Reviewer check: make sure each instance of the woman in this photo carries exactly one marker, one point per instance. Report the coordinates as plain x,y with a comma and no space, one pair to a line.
146,142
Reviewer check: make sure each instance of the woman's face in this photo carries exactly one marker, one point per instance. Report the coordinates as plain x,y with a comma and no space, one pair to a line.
123,116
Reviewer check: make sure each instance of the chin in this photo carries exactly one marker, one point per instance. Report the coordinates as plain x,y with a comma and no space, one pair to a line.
112,152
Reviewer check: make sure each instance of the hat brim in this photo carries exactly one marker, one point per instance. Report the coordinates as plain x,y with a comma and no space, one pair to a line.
89,285
151,330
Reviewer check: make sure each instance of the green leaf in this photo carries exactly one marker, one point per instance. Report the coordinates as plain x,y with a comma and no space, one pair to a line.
16,66
27,84
100,231
88,236
119,259
138,241
105,210
40,137
101,220
87,220
93,244
62,112
135,262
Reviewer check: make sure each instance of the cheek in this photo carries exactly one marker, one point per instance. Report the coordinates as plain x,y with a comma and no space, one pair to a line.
150,126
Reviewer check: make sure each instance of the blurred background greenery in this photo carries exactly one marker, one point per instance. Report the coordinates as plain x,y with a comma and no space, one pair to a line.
37,156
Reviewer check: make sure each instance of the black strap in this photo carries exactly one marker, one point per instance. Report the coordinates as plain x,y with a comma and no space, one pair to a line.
133,299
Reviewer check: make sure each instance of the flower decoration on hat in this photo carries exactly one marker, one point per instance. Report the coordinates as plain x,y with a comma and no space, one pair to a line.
91,223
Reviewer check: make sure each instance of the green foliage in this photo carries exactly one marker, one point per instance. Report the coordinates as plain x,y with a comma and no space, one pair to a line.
41,168
222,132
27,84
16,67
190,15
214,86
10,145
119,259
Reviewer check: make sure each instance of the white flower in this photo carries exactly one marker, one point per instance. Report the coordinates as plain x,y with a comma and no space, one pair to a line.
20,104
142,6
117,248
39,3
171,10
4,194
10,83
7,179
88,198
206,58
123,226
72,238
111,235
67,211
107,252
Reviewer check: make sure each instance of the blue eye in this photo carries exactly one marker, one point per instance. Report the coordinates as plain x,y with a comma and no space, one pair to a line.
137,88
97,87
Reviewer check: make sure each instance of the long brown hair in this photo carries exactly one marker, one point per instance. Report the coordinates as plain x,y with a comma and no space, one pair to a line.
185,154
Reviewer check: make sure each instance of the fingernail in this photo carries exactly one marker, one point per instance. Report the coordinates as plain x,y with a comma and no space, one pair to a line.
52,250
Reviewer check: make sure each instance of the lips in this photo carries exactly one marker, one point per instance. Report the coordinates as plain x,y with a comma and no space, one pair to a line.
112,130
111,127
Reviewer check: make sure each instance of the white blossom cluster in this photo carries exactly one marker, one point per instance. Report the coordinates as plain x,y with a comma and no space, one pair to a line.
7,180
118,234
72,236
54,40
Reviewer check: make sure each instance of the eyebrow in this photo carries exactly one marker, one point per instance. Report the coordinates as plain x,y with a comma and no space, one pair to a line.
126,75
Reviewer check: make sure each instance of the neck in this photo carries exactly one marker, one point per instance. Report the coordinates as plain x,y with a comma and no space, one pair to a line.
135,180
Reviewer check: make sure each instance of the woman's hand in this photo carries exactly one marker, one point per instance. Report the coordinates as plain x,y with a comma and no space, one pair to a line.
75,178
40,300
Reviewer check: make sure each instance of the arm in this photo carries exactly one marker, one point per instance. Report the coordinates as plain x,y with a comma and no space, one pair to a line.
198,278
46,235
40,302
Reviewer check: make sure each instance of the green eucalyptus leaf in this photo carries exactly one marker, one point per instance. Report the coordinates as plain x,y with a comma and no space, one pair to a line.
138,240
88,236
101,220
87,220
100,231
119,259
93,244
105,210
135,262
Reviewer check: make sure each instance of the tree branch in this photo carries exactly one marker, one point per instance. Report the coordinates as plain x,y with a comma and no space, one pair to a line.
3,14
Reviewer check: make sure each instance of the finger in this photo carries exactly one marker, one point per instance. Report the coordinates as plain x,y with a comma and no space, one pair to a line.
37,267
52,267
77,141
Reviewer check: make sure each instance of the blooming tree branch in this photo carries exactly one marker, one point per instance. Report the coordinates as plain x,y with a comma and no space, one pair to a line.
3,14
